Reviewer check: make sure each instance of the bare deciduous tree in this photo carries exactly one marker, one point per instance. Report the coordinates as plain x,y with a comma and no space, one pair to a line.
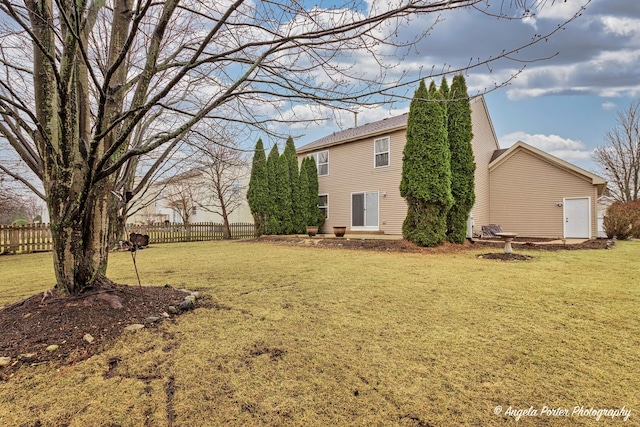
10,204
135,189
619,158
224,171
16,204
182,193
78,79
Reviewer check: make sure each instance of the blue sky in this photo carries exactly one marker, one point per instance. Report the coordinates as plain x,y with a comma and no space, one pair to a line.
564,104
568,126
567,93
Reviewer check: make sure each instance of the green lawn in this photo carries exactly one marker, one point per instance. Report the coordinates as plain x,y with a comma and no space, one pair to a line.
321,337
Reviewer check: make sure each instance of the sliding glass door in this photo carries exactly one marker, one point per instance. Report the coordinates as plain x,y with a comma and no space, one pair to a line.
364,211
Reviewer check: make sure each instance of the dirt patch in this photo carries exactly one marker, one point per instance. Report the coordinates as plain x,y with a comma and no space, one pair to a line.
80,326
274,353
401,245
391,245
506,257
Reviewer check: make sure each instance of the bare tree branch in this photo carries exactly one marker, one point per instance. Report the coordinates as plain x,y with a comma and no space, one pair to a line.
23,180
619,157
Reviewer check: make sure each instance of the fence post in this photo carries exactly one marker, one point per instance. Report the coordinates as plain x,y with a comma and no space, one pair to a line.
14,240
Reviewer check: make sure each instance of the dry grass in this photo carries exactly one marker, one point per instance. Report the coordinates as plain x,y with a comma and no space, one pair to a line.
308,336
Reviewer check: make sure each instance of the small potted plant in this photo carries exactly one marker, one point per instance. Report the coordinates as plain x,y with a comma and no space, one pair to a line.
316,223
339,231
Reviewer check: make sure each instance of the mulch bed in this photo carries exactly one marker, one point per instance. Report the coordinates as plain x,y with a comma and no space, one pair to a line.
506,257
530,245
384,245
401,245
30,326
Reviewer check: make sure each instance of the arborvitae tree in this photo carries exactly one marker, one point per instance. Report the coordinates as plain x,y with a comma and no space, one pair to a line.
314,216
303,187
444,91
272,225
426,170
258,191
317,216
444,88
432,89
284,211
462,163
297,220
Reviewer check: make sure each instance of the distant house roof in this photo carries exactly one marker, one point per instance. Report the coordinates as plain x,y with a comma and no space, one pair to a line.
500,156
182,176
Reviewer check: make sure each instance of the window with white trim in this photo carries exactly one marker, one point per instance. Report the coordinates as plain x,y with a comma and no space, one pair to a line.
323,204
381,149
322,162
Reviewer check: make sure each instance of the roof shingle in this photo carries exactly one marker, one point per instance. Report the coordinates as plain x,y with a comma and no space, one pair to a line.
366,130
351,134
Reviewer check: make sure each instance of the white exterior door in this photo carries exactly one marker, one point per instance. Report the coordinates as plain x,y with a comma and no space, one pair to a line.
577,218
364,211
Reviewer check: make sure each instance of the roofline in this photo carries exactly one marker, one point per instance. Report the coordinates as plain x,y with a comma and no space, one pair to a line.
303,150
595,179
182,176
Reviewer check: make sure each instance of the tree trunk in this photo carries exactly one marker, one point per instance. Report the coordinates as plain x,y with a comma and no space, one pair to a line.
117,227
80,242
226,228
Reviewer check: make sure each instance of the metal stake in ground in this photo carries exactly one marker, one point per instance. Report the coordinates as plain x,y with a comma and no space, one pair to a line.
133,250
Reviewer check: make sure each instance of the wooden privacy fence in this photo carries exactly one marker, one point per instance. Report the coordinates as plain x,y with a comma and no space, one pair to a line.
173,232
37,237
25,238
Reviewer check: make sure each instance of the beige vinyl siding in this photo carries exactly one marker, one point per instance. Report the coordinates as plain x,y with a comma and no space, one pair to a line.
525,190
484,143
351,170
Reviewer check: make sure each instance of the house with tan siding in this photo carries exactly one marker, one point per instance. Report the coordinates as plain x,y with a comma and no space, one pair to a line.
539,195
522,189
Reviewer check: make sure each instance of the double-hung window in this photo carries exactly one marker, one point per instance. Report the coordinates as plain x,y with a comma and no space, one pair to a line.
381,149
322,162
323,204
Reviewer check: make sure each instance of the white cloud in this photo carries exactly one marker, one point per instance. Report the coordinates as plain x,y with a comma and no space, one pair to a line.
625,27
612,60
606,74
597,54
324,119
565,148
530,20
374,114
559,10
301,116
608,105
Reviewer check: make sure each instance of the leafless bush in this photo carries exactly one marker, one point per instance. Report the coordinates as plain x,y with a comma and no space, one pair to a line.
622,220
